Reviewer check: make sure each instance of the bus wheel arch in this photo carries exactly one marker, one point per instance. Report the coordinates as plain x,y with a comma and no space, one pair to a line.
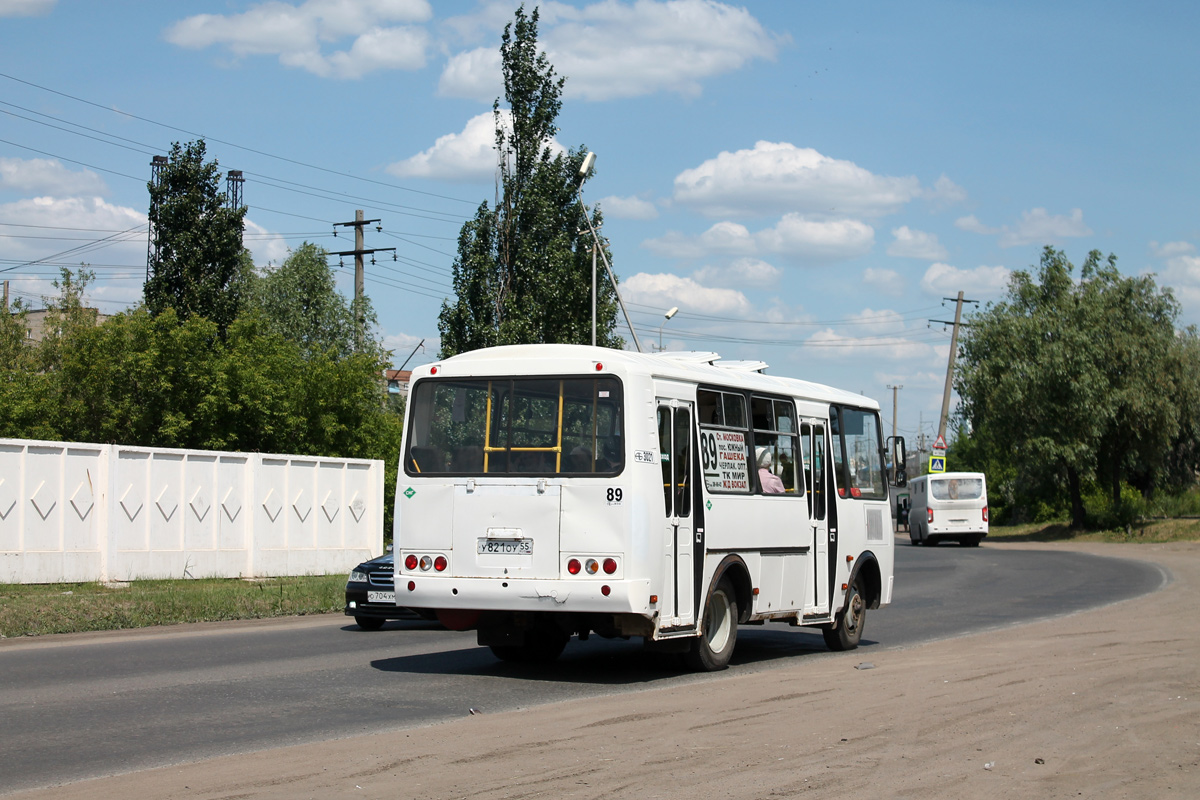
867,568
733,569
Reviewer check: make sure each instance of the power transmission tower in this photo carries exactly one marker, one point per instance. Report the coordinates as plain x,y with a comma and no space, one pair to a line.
234,181
358,252
157,165
950,366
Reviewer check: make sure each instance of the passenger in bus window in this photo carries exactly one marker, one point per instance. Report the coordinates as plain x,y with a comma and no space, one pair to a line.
770,482
581,460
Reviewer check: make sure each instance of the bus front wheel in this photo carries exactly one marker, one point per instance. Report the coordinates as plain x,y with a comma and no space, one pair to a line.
847,633
712,650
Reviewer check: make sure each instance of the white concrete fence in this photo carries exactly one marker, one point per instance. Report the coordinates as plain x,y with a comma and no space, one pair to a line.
74,512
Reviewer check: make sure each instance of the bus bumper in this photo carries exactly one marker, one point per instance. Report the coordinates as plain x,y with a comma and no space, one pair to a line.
525,594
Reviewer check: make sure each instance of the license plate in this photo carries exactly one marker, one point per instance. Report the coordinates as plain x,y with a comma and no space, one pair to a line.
507,547
381,597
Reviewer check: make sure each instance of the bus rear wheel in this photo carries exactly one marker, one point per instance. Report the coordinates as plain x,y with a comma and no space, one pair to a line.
712,650
847,633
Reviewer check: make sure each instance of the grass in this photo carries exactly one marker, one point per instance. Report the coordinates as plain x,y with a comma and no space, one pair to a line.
1148,531
36,609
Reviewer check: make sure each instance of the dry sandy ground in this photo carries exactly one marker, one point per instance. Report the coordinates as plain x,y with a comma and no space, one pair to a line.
1103,704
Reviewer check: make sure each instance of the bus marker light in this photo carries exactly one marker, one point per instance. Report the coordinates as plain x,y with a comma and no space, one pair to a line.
573,566
604,590
849,559
410,562
599,367
592,566
412,586
433,371
754,591
855,491
439,563
653,599
845,586
610,566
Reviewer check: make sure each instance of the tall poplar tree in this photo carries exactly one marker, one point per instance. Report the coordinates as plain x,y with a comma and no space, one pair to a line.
199,266
523,273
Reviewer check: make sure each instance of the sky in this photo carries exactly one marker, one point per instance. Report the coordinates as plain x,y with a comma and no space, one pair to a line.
808,182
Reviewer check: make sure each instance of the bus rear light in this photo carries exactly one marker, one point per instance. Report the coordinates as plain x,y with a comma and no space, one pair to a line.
426,563
929,514
592,566
573,566
599,367
439,564
412,586
985,513
410,562
610,566
433,370
605,590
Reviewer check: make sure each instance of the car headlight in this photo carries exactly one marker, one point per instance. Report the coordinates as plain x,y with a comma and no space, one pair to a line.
358,577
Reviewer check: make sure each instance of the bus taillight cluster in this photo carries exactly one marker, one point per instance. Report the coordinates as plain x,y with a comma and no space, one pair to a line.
412,562
591,566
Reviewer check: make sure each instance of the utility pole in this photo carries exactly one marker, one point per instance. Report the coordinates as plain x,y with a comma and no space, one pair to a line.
358,252
6,295
950,366
895,390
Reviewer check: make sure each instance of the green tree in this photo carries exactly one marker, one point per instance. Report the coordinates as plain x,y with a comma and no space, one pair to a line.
1070,381
523,269
300,302
199,267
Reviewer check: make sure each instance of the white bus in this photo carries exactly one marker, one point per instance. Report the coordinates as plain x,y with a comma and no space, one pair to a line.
948,506
547,491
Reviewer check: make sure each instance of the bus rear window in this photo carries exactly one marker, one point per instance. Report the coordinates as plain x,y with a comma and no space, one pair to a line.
528,426
956,488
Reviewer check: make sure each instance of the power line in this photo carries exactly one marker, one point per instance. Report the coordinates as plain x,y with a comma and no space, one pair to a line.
232,144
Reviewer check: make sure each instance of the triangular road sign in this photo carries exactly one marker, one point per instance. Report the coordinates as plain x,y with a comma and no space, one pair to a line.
940,444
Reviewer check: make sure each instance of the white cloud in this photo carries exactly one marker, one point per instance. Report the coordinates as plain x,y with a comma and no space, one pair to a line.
44,176
971,224
1036,226
741,272
945,193
1182,275
943,280
26,8
264,246
916,244
96,220
465,157
628,208
795,237
776,177
833,345
1172,249
613,49
885,280
300,34
666,290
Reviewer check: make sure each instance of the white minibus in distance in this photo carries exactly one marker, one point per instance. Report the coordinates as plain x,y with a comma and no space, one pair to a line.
549,491
948,506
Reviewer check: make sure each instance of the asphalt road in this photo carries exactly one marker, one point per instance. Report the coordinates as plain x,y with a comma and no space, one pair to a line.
80,706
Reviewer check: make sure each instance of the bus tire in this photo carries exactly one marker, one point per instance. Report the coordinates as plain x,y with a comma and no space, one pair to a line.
712,649
369,623
542,646
847,632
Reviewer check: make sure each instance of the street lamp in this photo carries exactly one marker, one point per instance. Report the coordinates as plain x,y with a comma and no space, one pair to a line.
674,310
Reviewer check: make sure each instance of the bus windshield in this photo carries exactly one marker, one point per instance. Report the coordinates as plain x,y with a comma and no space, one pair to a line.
527,426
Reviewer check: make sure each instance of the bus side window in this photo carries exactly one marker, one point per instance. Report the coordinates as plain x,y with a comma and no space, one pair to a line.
664,453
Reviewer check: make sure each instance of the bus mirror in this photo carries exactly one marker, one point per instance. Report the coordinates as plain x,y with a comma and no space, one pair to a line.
899,470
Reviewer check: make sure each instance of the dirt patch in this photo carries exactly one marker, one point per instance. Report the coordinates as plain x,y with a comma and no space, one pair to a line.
1102,704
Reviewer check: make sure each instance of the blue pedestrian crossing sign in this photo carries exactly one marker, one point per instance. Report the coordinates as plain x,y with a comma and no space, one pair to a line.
937,463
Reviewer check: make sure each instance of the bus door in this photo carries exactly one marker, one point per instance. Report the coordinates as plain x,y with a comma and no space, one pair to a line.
812,446
680,552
